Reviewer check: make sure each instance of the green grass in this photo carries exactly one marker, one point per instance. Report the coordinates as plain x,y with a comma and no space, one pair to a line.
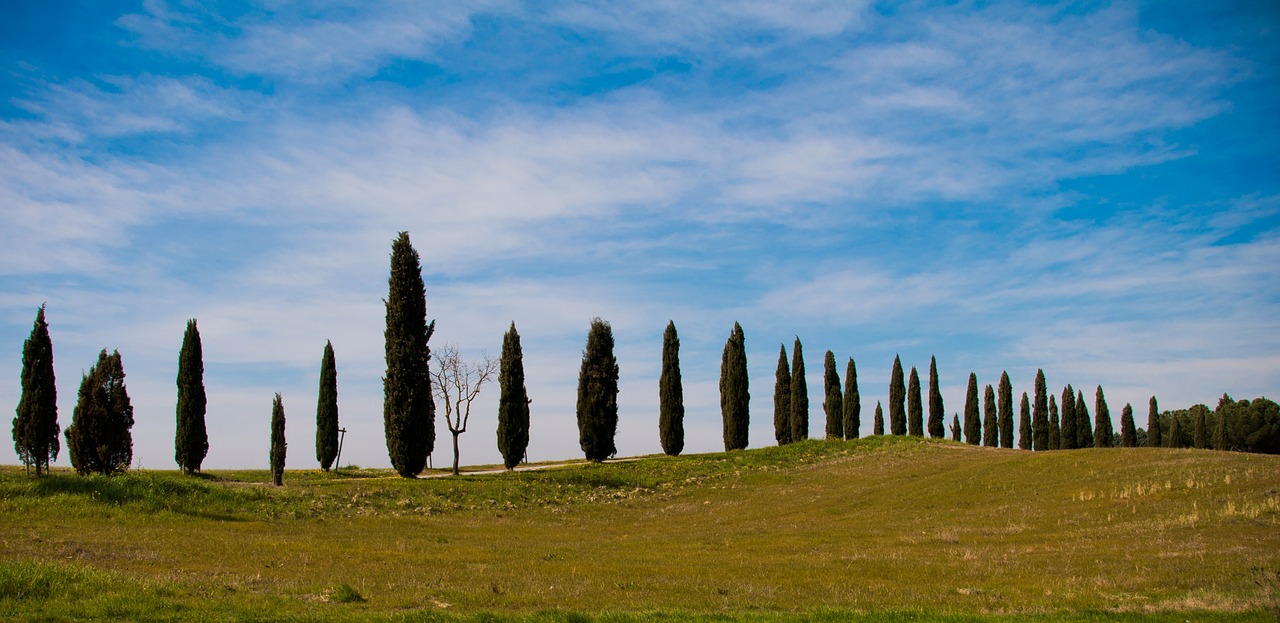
879,529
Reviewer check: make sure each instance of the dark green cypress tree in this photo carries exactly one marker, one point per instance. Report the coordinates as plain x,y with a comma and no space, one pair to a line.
915,406
1069,436
852,402
191,440
1084,425
671,394
1153,425
1055,430
1025,435
1220,432
1128,431
1103,431
990,419
598,394
735,399
936,411
1174,438
513,401
1040,416
833,403
955,427
1005,418
99,438
277,441
799,395
782,399
972,423
327,409
897,399
408,408
35,429
1200,436
877,425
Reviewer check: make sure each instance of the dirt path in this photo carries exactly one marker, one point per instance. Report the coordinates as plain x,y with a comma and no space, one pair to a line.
522,468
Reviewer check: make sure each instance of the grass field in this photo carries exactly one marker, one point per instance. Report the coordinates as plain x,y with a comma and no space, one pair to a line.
879,529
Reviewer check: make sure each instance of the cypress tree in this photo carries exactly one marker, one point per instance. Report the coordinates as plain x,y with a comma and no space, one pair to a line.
1103,431
1174,438
972,425
915,407
833,403
852,402
1005,417
990,420
1200,437
191,440
1153,425
782,399
735,398
1055,431
670,394
878,423
936,410
1024,425
598,394
1040,416
799,395
1084,425
35,429
513,401
327,409
277,441
1128,432
408,408
897,399
1069,436
99,438
1220,433
955,427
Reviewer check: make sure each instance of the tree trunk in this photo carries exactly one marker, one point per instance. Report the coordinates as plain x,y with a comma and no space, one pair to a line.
455,453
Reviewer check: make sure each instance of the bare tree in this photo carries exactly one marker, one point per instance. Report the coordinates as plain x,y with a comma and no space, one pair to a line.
456,383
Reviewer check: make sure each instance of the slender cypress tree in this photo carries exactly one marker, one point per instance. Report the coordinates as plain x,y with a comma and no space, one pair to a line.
408,408
735,399
1005,417
670,394
1055,430
1174,439
1024,424
1040,416
327,409
99,438
782,399
915,406
990,420
878,423
598,394
852,402
936,410
1128,432
955,427
1200,433
35,429
799,395
277,441
1220,431
191,440
972,425
1103,431
513,401
1069,436
1084,425
1153,425
833,403
897,399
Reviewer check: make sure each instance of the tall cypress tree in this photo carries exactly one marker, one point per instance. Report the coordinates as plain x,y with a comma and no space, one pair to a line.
990,420
1024,425
1153,425
955,427
897,399
936,410
598,394
1005,417
513,401
327,409
1128,431
1069,437
278,445
408,409
1040,416
35,429
1055,430
670,394
1200,434
972,425
852,402
1220,432
735,399
191,440
1102,432
1174,438
877,425
1084,425
99,438
782,399
799,395
833,403
915,406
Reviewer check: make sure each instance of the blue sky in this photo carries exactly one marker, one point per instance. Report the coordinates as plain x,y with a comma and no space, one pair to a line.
1088,188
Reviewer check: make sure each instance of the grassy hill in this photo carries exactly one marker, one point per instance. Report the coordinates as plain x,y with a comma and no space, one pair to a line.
882,528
